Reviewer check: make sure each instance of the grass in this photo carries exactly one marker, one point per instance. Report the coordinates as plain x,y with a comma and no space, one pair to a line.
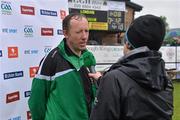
176,115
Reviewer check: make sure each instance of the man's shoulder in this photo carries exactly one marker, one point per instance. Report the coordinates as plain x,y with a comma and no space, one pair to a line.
53,53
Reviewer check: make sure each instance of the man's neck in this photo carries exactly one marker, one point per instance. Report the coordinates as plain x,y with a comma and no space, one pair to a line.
71,50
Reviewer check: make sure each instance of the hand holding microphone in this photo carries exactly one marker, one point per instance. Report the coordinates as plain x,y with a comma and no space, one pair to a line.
90,62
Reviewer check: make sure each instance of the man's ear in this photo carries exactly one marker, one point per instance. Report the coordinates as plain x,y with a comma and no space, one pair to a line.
65,33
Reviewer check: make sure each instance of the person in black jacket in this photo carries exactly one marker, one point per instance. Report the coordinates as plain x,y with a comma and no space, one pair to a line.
137,86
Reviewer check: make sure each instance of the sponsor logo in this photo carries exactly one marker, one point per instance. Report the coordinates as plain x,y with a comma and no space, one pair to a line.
47,31
28,10
62,14
15,118
13,75
12,52
11,97
0,53
9,30
60,32
28,115
48,12
6,8
27,93
33,71
47,49
31,51
170,54
28,31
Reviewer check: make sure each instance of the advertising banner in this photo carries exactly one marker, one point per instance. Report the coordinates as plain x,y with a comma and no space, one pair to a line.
29,30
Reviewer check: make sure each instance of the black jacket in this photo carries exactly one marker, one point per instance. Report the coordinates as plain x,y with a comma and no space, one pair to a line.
135,88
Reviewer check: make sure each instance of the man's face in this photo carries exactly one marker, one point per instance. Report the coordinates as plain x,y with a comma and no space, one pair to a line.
77,35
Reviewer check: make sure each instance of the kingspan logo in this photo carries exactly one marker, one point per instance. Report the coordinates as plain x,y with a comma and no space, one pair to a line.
28,31
6,8
48,12
28,115
28,10
12,97
47,31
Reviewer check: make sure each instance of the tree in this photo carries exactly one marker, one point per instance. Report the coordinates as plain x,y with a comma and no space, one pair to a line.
165,22
168,40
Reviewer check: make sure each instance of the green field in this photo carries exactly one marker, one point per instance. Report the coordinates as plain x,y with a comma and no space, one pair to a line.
176,115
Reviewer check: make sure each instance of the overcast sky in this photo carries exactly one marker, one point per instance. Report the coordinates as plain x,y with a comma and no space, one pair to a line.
168,8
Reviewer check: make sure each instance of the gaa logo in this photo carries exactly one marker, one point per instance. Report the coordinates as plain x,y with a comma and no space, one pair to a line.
6,8
47,49
28,31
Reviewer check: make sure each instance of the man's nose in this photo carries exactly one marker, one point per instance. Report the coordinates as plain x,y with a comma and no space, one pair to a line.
84,34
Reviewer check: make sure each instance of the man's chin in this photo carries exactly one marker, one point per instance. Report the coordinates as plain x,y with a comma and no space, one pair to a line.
82,48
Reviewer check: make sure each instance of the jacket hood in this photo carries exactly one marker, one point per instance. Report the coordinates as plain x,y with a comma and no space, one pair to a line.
144,66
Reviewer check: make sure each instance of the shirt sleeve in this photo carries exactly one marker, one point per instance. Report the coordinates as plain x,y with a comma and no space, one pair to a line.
40,89
38,99
107,102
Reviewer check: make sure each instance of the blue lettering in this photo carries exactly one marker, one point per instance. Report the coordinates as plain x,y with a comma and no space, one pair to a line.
13,74
34,51
27,93
12,30
27,52
0,53
5,30
28,30
48,12
47,50
5,7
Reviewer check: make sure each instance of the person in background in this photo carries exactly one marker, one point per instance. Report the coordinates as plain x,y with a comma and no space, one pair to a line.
137,86
62,89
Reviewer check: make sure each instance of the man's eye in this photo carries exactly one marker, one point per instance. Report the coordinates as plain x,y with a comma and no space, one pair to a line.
78,32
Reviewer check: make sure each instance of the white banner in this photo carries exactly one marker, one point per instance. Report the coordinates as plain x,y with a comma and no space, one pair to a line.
106,55
29,30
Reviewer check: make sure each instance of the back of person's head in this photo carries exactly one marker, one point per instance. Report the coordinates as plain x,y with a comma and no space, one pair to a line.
147,30
68,18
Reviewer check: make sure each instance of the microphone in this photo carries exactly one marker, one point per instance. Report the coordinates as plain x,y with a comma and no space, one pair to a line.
90,61
92,69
